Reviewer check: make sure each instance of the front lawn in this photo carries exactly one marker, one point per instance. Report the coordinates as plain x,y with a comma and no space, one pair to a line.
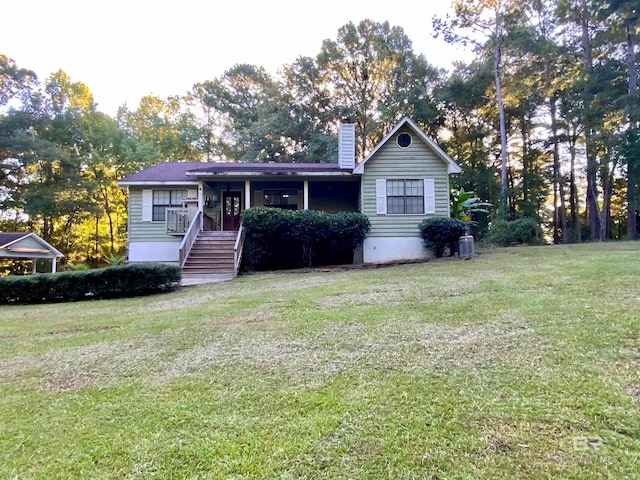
520,363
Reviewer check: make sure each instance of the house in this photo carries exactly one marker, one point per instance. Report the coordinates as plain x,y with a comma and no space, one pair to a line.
29,246
189,212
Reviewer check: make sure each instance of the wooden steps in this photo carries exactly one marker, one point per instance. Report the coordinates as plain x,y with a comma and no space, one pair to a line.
211,258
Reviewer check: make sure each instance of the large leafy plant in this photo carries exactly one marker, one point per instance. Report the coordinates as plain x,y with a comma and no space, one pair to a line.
463,204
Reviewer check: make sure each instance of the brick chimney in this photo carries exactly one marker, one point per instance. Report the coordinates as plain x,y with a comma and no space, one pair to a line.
347,145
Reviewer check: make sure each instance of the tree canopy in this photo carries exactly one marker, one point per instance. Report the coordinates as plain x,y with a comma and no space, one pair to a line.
544,121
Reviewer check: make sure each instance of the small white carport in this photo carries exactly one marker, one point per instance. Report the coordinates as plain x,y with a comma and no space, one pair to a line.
27,245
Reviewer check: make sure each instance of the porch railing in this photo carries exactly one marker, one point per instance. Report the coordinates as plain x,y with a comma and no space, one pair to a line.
237,249
177,220
190,236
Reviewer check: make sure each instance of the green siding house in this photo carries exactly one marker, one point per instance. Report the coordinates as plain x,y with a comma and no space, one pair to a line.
180,210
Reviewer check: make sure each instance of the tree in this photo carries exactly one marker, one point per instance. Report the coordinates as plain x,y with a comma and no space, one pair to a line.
625,17
463,99
485,25
14,81
372,76
255,124
160,130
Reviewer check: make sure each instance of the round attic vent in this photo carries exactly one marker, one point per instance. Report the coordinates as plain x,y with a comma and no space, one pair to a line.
404,140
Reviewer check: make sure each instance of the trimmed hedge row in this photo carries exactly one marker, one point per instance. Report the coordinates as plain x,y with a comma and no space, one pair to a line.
112,282
280,239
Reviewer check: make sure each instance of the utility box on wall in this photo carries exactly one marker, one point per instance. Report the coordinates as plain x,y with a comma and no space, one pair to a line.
466,246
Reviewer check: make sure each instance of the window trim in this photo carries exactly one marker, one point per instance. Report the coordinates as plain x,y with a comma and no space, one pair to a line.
148,203
398,140
429,200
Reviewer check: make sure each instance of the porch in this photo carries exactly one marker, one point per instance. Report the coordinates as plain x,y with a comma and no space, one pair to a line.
213,237
222,203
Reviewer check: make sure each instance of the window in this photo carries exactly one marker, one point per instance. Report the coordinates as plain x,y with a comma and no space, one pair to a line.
404,140
287,199
410,196
405,197
163,199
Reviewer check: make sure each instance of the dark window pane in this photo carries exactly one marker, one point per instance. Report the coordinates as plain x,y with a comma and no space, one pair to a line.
404,140
405,197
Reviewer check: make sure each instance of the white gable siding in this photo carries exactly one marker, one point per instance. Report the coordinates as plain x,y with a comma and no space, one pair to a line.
416,162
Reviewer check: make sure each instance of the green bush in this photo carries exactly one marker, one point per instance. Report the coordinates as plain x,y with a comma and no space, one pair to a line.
114,282
278,239
523,231
439,232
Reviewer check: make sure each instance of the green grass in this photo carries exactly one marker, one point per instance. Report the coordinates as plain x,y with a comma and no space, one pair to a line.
520,363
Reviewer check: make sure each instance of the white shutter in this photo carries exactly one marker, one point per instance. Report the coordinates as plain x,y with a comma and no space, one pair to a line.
381,196
147,205
429,195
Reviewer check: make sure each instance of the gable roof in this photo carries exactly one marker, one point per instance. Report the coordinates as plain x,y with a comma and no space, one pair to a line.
452,167
10,245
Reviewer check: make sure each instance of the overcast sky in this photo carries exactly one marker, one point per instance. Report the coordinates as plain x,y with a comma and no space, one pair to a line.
123,50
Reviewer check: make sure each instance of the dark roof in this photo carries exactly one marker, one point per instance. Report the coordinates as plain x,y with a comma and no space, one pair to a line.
178,172
8,237
164,172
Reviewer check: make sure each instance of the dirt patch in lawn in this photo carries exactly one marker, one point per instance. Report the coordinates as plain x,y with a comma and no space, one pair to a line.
69,331
633,390
61,382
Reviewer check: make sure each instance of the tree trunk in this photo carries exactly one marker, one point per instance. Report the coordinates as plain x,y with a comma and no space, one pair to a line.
592,163
632,167
525,161
574,202
503,133
558,181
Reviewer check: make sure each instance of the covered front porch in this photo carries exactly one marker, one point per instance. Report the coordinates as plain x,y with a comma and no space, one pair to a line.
223,201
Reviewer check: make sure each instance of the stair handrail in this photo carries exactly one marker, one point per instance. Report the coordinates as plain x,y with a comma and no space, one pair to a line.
190,236
237,249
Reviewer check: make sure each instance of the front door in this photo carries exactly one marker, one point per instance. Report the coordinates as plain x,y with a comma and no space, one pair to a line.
231,205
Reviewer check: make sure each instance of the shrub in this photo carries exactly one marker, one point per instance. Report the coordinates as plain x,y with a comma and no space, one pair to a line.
114,282
438,232
277,238
503,233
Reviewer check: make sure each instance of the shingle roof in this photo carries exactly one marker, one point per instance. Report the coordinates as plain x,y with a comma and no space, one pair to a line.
180,172
8,237
164,172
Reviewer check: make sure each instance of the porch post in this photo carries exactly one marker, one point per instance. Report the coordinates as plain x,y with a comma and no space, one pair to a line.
53,264
33,267
200,196
247,194
305,195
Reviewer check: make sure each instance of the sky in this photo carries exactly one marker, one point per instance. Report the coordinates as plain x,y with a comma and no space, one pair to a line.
124,50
